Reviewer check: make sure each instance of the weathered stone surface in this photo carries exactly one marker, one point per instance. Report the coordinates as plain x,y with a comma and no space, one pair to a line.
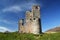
32,22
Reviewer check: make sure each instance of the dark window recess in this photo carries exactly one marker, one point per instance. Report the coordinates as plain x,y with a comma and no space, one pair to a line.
34,18
36,7
22,23
30,19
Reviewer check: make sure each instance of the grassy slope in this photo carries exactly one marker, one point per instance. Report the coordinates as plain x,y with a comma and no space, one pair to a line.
17,36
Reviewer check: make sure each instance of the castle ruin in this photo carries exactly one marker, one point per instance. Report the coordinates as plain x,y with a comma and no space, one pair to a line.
32,22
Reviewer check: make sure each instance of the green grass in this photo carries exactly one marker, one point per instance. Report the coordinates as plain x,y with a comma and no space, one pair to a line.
18,36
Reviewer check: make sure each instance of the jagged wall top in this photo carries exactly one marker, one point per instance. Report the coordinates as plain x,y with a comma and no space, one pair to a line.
34,13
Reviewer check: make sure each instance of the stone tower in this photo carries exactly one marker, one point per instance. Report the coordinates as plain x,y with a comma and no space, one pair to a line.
21,26
32,22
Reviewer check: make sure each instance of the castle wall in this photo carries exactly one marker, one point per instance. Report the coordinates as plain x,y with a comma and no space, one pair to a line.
29,15
35,26
32,22
21,26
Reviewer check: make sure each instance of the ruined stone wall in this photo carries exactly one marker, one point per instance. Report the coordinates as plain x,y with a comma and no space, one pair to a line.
35,26
32,22
21,26
36,11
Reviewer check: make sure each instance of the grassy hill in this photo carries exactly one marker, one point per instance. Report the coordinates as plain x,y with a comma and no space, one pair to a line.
17,36
56,29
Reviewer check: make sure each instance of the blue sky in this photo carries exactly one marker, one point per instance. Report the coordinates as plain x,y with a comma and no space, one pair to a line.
13,10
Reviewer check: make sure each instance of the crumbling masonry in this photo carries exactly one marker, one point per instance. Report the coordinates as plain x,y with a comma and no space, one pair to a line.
32,23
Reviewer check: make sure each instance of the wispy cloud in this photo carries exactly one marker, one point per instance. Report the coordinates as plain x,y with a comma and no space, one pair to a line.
3,29
12,9
20,7
7,22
